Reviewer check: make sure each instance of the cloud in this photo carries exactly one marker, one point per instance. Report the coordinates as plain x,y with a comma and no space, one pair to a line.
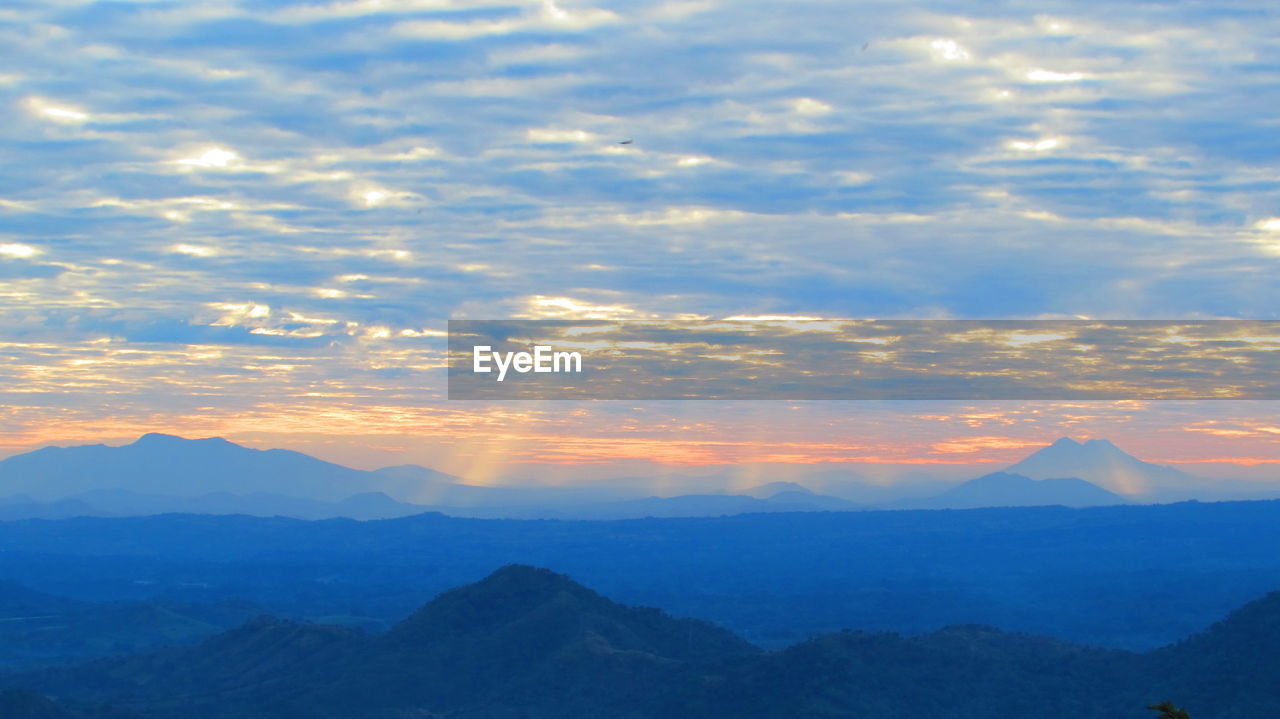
392,164
213,157
548,17
1039,75
19,250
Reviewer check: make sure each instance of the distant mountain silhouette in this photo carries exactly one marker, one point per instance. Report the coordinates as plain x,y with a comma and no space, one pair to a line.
160,464
768,491
162,473
529,643
1100,462
1002,489
422,485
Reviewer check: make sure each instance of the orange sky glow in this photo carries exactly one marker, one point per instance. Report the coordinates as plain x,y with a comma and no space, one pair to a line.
485,443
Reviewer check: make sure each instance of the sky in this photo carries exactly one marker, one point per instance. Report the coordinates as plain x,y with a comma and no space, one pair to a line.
254,219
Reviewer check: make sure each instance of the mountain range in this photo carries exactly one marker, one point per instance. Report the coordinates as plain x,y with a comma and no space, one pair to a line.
527,642
164,474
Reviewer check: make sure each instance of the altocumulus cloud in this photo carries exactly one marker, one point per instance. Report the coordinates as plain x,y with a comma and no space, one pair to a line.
364,169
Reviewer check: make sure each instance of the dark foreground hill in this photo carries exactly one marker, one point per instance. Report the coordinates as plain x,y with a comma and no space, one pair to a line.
529,643
522,642
1231,671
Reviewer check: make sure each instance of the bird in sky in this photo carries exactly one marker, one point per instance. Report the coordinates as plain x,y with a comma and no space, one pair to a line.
626,142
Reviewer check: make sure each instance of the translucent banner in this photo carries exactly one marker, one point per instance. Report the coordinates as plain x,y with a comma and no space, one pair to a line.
785,359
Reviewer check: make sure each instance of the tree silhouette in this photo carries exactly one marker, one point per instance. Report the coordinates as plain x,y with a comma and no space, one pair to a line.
1169,711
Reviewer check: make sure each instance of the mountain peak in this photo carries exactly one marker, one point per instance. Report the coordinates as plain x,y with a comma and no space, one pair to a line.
164,464
1005,489
531,610
1100,462
527,582
527,577
509,593
158,437
155,439
765,491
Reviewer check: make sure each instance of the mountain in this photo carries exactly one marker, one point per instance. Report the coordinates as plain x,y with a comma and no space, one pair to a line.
530,643
518,601
766,491
161,464
162,473
522,642
1002,489
800,498
422,485
1100,462
1229,671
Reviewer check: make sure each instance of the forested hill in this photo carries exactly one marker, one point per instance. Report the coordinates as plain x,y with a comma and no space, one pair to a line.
530,643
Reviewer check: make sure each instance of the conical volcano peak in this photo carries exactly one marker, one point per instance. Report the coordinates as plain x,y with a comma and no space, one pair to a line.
1100,462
